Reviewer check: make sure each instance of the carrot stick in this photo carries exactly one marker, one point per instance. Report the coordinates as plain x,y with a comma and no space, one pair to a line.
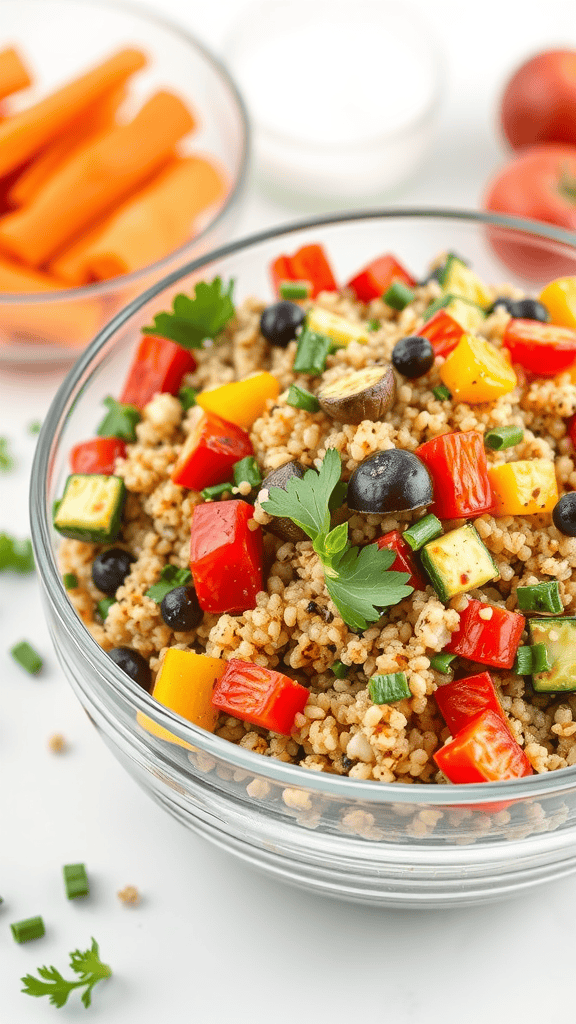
97,178
150,225
99,118
13,72
25,133
70,322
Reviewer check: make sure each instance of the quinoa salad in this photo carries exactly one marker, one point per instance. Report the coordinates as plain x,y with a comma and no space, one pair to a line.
339,529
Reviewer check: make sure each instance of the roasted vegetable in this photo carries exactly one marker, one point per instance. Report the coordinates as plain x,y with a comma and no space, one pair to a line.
362,395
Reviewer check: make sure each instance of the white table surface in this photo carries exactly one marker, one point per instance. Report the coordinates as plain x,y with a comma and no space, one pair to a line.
212,939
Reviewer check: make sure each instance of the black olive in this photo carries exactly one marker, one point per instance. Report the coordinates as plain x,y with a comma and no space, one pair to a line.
564,514
413,356
133,664
390,481
347,762
279,323
522,309
110,568
180,609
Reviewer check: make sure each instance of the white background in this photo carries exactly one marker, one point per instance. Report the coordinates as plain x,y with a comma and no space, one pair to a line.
212,941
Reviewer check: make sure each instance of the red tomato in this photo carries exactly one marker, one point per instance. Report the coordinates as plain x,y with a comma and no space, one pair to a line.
209,453
457,465
463,699
540,348
539,101
97,455
443,332
484,751
158,365
492,641
404,561
259,695
226,557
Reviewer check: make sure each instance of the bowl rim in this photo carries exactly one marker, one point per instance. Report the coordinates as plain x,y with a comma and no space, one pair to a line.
137,699
102,288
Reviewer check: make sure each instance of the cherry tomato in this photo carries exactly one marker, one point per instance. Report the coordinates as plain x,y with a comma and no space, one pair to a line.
539,101
543,349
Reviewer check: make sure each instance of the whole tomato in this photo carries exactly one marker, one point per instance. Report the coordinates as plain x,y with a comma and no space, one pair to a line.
539,102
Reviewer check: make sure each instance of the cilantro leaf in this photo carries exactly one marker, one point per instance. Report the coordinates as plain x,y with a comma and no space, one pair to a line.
305,501
170,578
192,320
6,460
120,420
359,584
86,965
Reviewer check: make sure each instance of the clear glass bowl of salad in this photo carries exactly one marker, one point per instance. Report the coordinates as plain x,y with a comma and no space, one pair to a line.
336,831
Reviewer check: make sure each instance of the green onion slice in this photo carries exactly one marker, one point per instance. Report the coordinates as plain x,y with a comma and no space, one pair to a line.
398,295
422,531
299,398
75,881
312,352
541,597
27,657
30,928
499,438
389,688
294,289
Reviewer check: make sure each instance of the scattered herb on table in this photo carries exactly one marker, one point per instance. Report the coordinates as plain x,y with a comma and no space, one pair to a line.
6,459
86,965
193,320
35,427
357,579
16,554
170,578
27,657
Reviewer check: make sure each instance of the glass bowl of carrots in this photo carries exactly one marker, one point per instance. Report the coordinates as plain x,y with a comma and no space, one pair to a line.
123,154
386,844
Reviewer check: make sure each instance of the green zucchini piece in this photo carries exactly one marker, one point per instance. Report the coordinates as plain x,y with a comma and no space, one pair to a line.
559,639
458,562
91,508
458,279
468,314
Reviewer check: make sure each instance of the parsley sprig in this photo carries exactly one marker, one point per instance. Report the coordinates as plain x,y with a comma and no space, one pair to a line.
357,579
192,320
86,965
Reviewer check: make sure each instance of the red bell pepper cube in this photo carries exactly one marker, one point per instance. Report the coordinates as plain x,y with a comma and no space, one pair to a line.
158,365
543,349
209,453
457,465
463,699
309,263
493,641
97,455
443,332
404,561
483,751
226,557
376,278
259,695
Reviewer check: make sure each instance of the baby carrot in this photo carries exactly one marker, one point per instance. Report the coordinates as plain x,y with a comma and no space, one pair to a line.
13,72
149,226
67,322
23,134
93,181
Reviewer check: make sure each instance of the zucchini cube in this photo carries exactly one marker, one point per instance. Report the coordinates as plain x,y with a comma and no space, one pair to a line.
559,639
458,279
458,561
91,508
339,329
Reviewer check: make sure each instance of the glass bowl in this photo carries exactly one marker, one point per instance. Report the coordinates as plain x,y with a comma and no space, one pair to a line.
385,844
60,39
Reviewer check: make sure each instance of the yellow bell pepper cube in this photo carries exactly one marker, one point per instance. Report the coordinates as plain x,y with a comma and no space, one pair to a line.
242,401
341,330
185,684
559,297
523,488
476,371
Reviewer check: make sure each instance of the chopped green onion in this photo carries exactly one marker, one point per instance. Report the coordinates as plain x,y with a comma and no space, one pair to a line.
398,295
540,658
70,580
311,353
542,597
170,578
294,289
16,554
35,427
340,670
247,471
299,398
103,607
75,880
187,397
421,532
441,393
523,663
6,460
503,437
389,688
442,662
27,657
211,493
30,928
374,325
120,420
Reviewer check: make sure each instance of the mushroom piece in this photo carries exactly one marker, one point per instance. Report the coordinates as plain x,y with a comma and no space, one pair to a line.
361,395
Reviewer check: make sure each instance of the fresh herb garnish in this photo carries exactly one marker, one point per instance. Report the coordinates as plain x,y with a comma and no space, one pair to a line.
170,578
357,579
6,460
192,320
16,554
120,420
35,427
86,965
187,397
